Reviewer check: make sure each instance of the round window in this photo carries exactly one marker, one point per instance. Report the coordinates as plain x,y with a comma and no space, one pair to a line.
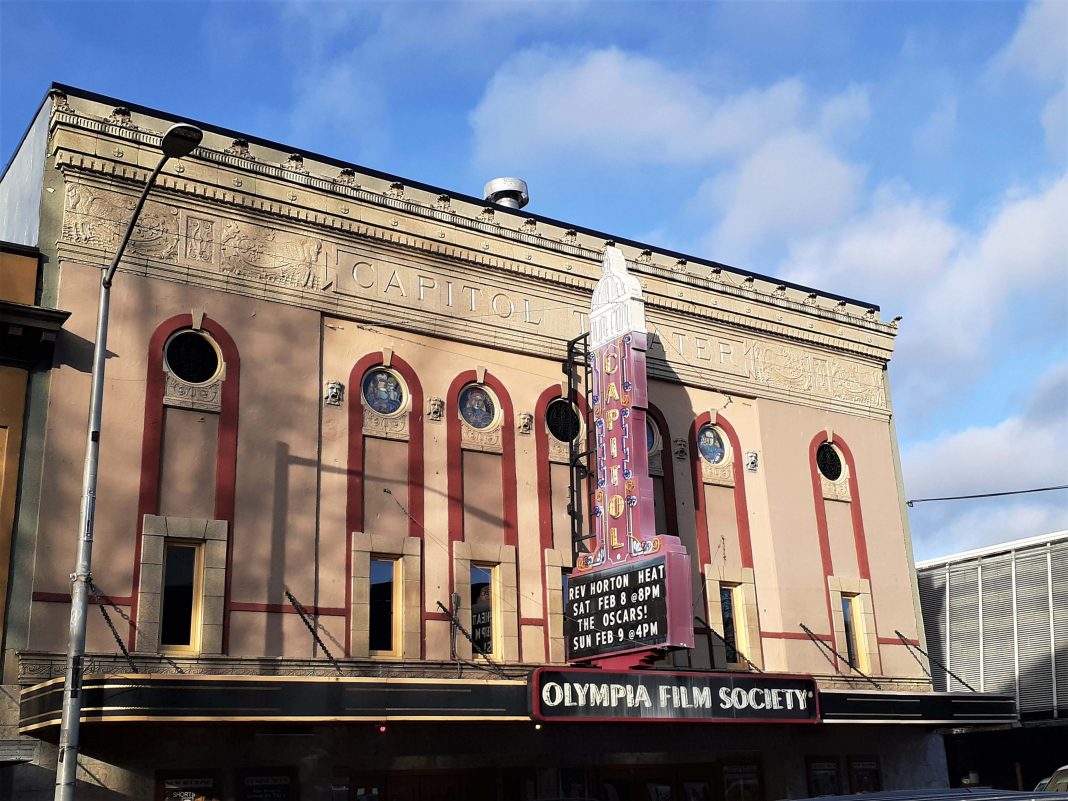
384,391
192,357
478,407
652,437
829,462
562,420
711,446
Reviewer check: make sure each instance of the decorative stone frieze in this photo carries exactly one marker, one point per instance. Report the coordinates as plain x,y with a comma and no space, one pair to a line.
485,440
201,397
836,490
384,426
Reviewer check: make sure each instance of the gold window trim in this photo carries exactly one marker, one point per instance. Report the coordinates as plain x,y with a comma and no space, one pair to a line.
212,537
746,615
196,611
863,622
407,612
397,607
506,614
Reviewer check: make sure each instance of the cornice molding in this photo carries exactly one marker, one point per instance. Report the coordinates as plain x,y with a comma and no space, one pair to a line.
778,350
567,243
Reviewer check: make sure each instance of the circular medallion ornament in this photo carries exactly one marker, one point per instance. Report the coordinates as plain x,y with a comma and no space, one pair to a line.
192,357
829,462
478,407
384,391
711,446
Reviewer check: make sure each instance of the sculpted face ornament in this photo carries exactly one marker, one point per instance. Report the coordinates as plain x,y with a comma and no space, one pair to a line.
334,394
526,423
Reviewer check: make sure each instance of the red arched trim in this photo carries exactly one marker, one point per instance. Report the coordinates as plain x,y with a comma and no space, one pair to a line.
741,507
545,498
152,448
698,485
856,516
455,462
821,528
671,512
541,450
355,472
454,469
859,539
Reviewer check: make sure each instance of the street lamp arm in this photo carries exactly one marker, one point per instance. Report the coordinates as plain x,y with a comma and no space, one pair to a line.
110,274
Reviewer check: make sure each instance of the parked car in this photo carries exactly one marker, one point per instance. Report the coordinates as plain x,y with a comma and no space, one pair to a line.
1058,782
958,794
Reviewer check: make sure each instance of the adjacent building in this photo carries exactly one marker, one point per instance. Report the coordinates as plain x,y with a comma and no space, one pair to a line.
997,621
344,482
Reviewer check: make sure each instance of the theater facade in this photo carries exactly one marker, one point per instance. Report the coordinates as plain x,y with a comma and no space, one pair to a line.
407,494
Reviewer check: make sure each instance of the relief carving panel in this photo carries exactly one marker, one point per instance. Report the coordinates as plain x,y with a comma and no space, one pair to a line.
200,239
379,425
266,255
202,397
835,490
721,474
558,450
796,370
487,440
99,218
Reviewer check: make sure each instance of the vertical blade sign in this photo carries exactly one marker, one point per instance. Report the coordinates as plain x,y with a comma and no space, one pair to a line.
625,540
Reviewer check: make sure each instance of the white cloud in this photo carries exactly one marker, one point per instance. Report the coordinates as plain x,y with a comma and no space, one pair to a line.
1037,48
791,184
978,523
934,138
619,108
1025,451
1037,51
902,239
953,286
340,110
1014,454
846,113
1055,123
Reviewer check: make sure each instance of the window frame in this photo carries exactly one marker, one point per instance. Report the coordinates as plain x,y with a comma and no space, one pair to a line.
495,609
854,654
196,612
396,610
737,623
220,367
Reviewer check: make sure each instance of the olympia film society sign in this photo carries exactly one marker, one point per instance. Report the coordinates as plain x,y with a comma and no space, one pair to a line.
578,694
621,609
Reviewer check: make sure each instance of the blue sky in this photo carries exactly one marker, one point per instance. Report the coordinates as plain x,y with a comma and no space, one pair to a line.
910,154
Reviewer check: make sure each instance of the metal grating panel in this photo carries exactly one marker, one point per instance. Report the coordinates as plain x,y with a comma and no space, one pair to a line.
999,669
964,625
1059,565
933,602
1033,616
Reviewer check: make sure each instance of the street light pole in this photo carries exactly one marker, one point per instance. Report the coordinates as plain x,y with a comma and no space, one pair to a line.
180,140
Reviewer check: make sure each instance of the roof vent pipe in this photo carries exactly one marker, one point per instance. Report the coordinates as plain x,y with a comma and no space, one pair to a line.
510,192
